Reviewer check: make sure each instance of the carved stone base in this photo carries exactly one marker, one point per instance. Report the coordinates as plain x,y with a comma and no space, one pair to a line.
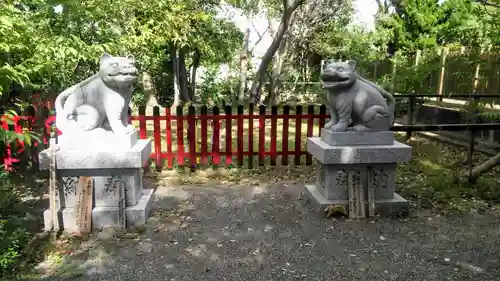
105,182
97,140
73,159
332,180
357,138
117,180
358,154
107,217
396,206
360,169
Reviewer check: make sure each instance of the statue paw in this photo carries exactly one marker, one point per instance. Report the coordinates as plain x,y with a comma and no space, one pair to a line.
328,125
130,129
339,127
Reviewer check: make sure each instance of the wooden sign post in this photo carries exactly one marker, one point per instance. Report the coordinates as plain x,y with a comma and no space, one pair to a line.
121,204
54,218
84,204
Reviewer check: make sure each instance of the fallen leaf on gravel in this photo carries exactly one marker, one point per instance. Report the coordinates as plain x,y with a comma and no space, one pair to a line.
469,267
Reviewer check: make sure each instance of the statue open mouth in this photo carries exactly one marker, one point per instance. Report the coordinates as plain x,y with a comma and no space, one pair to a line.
127,74
333,78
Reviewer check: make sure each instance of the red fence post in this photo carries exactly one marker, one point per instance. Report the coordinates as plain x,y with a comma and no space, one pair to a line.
284,145
262,132
239,132
180,136
157,137
142,122
229,140
310,127
298,134
46,125
168,131
192,137
129,115
18,128
216,137
7,154
274,124
322,111
250,136
204,135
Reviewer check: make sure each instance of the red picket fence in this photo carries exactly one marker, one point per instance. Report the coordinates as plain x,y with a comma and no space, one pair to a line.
183,139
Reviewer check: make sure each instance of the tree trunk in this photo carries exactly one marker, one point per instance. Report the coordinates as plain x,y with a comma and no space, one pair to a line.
277,71
194,69
244,66
482,168
175,71
183,76
268,56
149,90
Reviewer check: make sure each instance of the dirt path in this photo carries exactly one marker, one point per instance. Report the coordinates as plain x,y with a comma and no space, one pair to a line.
271,233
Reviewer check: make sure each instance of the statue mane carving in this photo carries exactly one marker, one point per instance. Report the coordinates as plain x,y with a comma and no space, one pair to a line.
101,101
355,103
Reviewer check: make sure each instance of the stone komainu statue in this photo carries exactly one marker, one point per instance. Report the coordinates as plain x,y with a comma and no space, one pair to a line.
101,101
355,103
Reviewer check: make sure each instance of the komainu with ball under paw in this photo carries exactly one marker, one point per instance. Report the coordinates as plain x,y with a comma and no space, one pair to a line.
101,101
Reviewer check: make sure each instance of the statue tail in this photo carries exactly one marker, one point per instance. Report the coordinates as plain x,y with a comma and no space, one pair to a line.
61,117
391,102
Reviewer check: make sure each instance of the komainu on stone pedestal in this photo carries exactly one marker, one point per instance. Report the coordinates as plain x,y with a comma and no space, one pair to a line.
355,103
98,142
101,101
357,153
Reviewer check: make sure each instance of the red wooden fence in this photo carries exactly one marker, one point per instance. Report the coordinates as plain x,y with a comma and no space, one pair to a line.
180,139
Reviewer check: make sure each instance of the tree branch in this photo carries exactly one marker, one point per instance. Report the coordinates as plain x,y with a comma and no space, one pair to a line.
488,3
256,31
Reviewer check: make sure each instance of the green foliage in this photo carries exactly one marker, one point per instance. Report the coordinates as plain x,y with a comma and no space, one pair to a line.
422,24
431,178
47,51
139,98
13,233
216,91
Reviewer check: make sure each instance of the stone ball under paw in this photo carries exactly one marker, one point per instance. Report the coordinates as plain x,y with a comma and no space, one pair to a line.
87,117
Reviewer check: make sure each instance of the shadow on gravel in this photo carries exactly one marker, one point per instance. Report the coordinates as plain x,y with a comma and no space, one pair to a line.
261,232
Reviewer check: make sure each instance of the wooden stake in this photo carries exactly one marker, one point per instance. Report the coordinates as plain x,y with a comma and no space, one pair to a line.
361,195
54,221
352,197
121,204
84,204
371,192
444,52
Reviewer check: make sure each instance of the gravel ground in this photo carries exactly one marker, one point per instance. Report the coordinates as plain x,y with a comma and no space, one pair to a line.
272,233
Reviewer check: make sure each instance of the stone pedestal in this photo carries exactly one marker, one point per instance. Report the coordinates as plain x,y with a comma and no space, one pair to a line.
370,156
112,171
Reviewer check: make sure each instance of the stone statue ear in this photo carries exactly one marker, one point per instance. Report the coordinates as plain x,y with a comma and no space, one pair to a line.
131,58
105,56
352,64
